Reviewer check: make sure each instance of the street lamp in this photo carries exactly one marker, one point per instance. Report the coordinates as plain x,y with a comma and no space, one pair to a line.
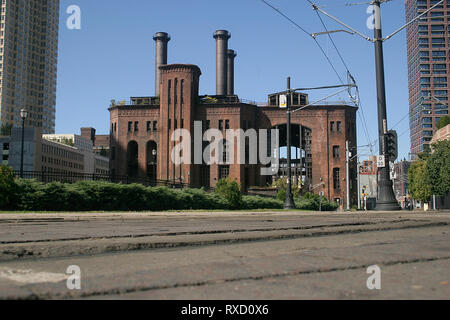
23,115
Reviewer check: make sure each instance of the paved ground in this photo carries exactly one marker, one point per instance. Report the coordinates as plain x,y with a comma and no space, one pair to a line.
201,255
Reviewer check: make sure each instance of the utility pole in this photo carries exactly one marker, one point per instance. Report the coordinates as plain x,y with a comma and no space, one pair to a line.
359,182
347,174
289,202
386,199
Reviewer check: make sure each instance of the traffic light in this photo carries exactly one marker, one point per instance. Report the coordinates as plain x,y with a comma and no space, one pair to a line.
392,145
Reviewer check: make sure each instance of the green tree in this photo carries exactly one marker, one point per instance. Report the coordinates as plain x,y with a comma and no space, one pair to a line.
229,189
438,168
419,186
443,122
281,186
7,187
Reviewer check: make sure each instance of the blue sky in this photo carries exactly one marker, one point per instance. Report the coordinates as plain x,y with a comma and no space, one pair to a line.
112,56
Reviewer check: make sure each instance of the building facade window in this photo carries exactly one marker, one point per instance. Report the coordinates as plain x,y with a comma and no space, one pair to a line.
335,151
336,179
224,172
169,91
182,91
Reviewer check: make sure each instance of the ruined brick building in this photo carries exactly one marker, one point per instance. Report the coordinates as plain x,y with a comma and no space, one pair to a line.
140,130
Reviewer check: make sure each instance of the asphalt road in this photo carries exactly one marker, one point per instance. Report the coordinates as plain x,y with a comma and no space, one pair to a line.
201,255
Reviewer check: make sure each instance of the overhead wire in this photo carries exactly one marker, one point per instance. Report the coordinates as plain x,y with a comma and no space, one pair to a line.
306,32
361,114
346,67
394,126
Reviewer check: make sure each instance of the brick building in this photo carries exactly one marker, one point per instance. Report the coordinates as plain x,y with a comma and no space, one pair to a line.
100,142
142,128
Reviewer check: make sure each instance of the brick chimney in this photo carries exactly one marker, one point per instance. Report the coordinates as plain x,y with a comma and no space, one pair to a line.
88,133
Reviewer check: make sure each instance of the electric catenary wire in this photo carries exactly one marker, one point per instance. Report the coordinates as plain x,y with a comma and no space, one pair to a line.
326,56
345,65
306,32
361,114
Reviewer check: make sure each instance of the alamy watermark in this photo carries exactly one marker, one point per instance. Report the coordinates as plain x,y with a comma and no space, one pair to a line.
73,22
235,147
374,281
370,20
74,280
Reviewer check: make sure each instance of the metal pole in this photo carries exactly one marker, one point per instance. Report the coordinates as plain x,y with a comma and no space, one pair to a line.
21,153
359,184
347,174
289,202
386,199
320,202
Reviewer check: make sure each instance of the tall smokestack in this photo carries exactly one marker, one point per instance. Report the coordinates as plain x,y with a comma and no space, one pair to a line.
221,37
161,39
230,74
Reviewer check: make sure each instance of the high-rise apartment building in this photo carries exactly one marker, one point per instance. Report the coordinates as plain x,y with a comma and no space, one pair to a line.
28,62
428,69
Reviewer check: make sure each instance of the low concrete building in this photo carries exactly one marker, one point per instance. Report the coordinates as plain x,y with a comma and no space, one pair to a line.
368,181
64,153
401,181
368,177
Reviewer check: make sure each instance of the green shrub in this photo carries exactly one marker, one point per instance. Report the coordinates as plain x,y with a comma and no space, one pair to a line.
257,202
311,201
31,195
443,122
230,191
